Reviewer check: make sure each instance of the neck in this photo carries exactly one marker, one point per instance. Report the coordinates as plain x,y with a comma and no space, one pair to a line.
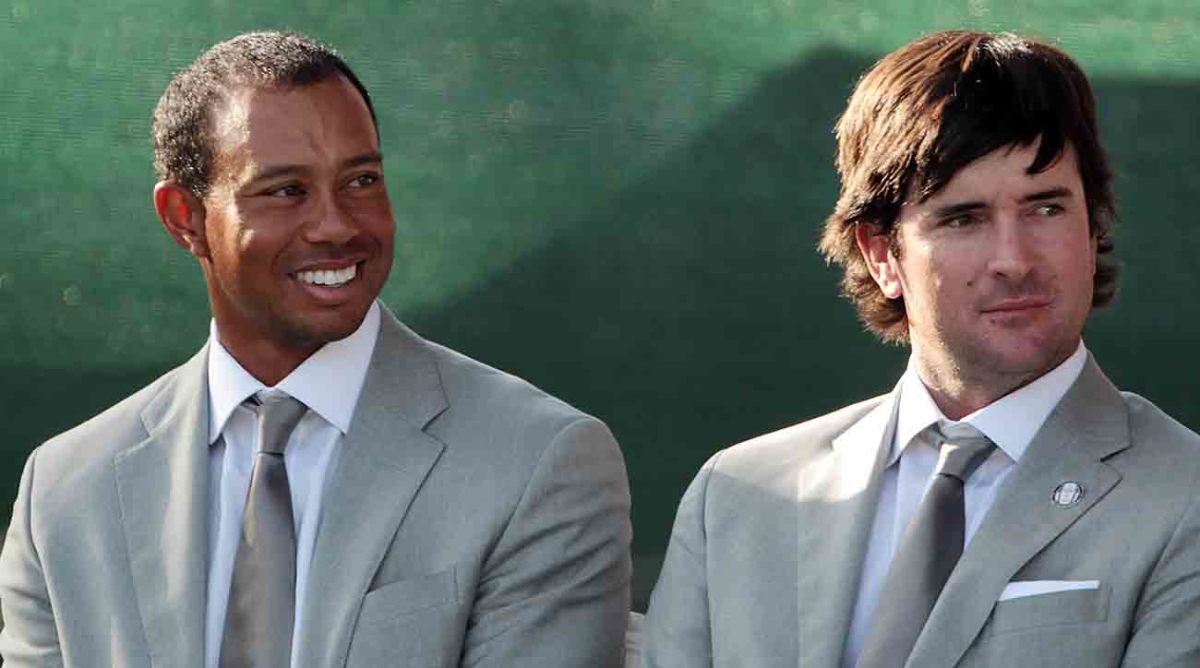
956,398
959,389
266,360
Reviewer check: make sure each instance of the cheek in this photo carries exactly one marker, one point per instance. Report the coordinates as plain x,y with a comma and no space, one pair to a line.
382,231
266,231
955,269
1071,245
376,216
947,290
222,242
382,226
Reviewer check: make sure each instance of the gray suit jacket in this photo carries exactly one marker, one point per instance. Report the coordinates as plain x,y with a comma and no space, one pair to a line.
471,519
765,557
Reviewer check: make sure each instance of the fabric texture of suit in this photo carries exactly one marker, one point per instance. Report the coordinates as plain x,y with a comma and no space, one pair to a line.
768,544
470,520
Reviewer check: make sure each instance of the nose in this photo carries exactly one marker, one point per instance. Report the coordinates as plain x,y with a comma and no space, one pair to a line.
1013,248
329,222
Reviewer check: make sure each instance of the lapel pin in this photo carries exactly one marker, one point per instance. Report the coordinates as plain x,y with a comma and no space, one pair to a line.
1067,494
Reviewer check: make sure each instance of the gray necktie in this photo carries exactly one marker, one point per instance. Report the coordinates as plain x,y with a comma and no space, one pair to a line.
262,597
929,548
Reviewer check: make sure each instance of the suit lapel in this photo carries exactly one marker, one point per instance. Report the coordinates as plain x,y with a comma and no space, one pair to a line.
383,461
162,484
838,496
1088,425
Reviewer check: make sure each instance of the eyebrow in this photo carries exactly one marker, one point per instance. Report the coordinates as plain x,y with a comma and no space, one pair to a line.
371,158
1052,193
951,210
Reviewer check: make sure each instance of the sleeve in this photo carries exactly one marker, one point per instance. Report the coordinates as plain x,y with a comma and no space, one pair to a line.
29,636
1166,630
677,627
554,591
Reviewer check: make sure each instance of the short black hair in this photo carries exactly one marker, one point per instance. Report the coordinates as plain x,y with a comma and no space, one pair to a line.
183,151
930,108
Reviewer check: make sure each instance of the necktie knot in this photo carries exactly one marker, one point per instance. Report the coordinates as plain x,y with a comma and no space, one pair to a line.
277,415
959,455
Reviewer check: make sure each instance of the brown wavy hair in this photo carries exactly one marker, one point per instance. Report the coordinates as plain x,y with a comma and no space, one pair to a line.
927,110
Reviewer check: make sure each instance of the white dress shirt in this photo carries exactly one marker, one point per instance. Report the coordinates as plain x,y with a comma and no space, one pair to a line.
328,383
1010,422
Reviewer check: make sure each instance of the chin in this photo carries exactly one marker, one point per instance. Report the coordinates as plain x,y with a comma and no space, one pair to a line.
330,327
1034,359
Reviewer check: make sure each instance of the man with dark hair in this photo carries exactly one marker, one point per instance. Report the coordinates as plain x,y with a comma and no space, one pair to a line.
318,486
1005,505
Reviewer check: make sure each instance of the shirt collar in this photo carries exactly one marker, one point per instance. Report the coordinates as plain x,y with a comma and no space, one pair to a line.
1010,422
328,382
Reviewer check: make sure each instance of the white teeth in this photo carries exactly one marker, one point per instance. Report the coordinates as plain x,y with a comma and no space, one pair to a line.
328,276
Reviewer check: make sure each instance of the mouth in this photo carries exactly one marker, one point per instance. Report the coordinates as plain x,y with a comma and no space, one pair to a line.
329,284
328,278
1017,305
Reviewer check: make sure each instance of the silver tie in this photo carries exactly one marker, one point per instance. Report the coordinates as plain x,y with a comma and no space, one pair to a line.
262,596
929,549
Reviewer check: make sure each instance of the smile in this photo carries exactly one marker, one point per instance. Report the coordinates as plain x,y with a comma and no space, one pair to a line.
328,277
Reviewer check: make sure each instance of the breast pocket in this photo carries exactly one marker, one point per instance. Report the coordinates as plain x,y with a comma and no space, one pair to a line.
409,595
1044,611
410,622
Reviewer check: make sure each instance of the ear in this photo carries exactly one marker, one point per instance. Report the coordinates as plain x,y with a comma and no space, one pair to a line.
182,214
876,250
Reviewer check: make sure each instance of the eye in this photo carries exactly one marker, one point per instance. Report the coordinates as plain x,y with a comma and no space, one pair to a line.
1049,210
286,190
365,180
958,220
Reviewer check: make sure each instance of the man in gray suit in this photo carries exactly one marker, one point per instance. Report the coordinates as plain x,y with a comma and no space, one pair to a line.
1005,505
318,486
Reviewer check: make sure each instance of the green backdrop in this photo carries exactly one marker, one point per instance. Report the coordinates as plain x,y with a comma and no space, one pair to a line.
615,199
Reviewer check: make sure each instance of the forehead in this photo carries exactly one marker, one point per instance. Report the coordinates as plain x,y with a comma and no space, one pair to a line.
1005,172
309,125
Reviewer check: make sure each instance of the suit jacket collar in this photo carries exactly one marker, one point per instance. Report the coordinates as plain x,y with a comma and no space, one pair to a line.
162,486
838,494
1089,425
384,459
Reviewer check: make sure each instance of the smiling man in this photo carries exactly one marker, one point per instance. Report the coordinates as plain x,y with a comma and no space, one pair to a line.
1004,505
318,486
